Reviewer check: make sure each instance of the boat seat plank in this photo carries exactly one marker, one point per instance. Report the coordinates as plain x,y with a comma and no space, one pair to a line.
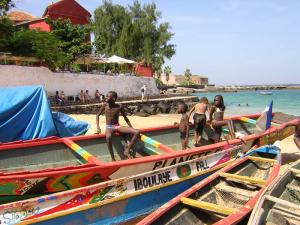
255,181
295,171
208,206
293,187
282,202
281,216
260,159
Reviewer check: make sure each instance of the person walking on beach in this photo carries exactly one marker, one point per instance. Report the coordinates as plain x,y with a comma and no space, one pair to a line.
112,111
144,92
216,118
199,119
183,125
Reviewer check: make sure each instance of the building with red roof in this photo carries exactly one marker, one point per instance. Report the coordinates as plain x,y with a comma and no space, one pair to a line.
63,9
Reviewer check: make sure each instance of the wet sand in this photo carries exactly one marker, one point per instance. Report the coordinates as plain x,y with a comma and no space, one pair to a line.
290,152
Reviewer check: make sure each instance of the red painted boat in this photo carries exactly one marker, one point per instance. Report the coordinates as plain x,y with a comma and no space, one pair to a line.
227,196
31,168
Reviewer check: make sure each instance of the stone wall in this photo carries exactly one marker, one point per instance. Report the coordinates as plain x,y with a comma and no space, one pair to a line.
72,83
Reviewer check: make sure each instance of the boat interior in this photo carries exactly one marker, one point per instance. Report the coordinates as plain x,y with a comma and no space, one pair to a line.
224,195
282,203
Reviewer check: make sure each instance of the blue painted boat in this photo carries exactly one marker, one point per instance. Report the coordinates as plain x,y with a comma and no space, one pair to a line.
119,200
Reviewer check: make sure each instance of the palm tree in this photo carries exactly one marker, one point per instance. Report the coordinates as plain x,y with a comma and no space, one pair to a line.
188,75
167,71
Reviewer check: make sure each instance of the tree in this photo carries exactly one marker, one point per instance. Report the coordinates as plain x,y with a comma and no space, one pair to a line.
188,75
167,73
72,38
42,45
5,5
6,30
133,32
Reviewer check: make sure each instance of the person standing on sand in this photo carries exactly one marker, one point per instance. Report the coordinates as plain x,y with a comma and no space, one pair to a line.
199,119
144,92
183,125
112,112
216,118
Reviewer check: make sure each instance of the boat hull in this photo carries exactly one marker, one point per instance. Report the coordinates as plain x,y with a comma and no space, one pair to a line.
48,176
117,200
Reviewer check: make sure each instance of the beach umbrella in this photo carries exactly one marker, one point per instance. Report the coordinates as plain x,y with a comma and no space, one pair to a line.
119,60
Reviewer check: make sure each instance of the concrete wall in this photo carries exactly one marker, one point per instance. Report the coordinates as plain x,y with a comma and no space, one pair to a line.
72,83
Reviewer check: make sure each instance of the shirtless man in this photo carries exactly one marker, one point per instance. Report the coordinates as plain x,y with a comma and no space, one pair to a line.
112,112
199,119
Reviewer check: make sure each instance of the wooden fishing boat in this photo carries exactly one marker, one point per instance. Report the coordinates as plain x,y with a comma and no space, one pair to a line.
281,202
31,168
118,200
225,197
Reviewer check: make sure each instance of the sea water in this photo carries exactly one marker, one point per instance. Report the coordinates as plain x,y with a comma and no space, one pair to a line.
286,101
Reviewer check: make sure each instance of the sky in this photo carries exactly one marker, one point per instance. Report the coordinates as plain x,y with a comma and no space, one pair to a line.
232,42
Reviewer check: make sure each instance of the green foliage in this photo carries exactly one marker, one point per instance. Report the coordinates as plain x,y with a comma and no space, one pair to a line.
186,83
158,82
72,38
5,5
6,30
42,45
167,72
188,75
133,32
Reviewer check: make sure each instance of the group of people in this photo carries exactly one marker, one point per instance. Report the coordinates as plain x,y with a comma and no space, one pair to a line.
215,113
111,110
216,120
83,97
60,98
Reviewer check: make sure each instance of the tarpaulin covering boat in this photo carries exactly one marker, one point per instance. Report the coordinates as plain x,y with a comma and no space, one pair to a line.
25,114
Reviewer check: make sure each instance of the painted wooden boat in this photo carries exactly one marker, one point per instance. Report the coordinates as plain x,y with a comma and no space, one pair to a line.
281,202
118,200
31,168
225,197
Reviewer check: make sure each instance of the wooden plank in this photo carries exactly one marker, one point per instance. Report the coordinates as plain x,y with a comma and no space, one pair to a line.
155,143
282,202
81,152
296,171
208,206
243,178
293,187
260,159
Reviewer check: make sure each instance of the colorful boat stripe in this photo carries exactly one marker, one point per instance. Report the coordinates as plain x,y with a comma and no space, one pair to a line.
82,152
155,144
251,121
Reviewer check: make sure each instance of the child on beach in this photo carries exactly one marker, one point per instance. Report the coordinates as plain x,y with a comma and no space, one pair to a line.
199,119
112,112
183,125
216,118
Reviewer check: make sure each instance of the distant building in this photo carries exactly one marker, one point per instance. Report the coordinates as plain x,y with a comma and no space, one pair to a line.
63,9
178,79
20,17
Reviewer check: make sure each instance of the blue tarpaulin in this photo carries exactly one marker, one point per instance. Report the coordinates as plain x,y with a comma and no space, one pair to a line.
25,114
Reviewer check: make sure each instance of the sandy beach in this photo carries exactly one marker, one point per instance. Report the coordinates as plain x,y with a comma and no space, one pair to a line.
290,152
